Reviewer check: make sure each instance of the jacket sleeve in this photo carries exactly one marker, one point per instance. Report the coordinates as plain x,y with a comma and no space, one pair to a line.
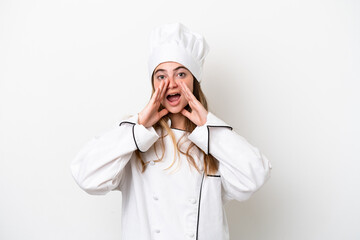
99,166
243,169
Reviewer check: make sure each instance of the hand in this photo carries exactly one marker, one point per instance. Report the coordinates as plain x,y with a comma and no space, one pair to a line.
150,114
198,114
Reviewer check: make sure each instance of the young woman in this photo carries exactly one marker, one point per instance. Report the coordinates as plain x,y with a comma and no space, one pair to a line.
175,162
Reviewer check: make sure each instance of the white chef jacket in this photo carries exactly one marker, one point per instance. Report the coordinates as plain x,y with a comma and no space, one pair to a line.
178,203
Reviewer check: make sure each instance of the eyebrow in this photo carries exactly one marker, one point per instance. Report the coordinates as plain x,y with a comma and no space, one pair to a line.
163,70
180,68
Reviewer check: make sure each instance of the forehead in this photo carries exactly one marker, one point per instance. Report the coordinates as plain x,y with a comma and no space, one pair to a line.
169,66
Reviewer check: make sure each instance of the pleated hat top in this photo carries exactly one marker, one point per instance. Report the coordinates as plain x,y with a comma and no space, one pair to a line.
176,43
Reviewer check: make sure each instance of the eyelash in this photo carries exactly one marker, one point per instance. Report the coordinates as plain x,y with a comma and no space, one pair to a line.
184,74
161,77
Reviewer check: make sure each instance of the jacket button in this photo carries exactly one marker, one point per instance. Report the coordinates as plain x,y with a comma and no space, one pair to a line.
192,200
155,198
157,230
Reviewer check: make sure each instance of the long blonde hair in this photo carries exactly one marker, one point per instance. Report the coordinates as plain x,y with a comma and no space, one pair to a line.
211,165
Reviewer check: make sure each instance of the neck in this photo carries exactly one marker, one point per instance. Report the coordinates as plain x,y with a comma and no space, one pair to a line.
177,121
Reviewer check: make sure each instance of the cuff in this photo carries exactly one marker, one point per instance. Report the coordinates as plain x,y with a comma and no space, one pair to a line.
143,137
201,134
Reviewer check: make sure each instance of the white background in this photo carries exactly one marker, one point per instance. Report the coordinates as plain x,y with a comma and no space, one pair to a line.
285,74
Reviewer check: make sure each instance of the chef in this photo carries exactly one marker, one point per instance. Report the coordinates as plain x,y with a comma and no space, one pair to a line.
176,163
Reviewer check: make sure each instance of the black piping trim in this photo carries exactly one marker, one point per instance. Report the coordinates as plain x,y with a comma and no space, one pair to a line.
198,217
208,128
133,133
126,122
209,175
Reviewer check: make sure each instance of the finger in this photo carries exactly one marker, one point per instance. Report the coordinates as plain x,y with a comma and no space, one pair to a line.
166,84
188,91
192,105
160,88
186,113
163,112
188,97
163,90
192,100
183,90
155,95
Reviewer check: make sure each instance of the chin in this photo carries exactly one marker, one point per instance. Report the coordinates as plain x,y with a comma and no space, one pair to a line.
174,110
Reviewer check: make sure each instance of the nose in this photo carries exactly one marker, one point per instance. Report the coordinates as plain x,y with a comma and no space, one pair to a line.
172,82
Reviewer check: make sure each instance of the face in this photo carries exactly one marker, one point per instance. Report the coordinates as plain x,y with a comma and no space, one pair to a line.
175,73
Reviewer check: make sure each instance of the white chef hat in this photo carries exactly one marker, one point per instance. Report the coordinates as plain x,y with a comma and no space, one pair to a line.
176,43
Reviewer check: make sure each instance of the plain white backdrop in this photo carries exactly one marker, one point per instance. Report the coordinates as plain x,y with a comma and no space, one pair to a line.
285,74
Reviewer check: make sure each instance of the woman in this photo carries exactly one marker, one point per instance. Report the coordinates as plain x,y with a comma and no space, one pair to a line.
175,163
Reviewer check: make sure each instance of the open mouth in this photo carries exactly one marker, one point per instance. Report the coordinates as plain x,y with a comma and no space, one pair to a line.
173,97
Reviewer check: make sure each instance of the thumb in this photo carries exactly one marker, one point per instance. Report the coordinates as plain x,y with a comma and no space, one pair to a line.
163,112
186,113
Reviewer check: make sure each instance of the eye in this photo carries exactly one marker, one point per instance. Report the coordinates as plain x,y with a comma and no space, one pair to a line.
182,74
161,77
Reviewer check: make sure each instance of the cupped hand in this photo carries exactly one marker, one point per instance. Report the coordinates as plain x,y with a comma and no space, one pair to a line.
198,114
150,114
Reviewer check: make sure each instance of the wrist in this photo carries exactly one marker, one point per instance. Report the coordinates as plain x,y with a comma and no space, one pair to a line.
140,118
204,118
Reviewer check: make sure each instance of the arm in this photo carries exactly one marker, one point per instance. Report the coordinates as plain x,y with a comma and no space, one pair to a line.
99,167
242,167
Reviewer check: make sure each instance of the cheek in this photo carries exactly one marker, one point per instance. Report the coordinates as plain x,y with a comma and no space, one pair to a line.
189,84
156,85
